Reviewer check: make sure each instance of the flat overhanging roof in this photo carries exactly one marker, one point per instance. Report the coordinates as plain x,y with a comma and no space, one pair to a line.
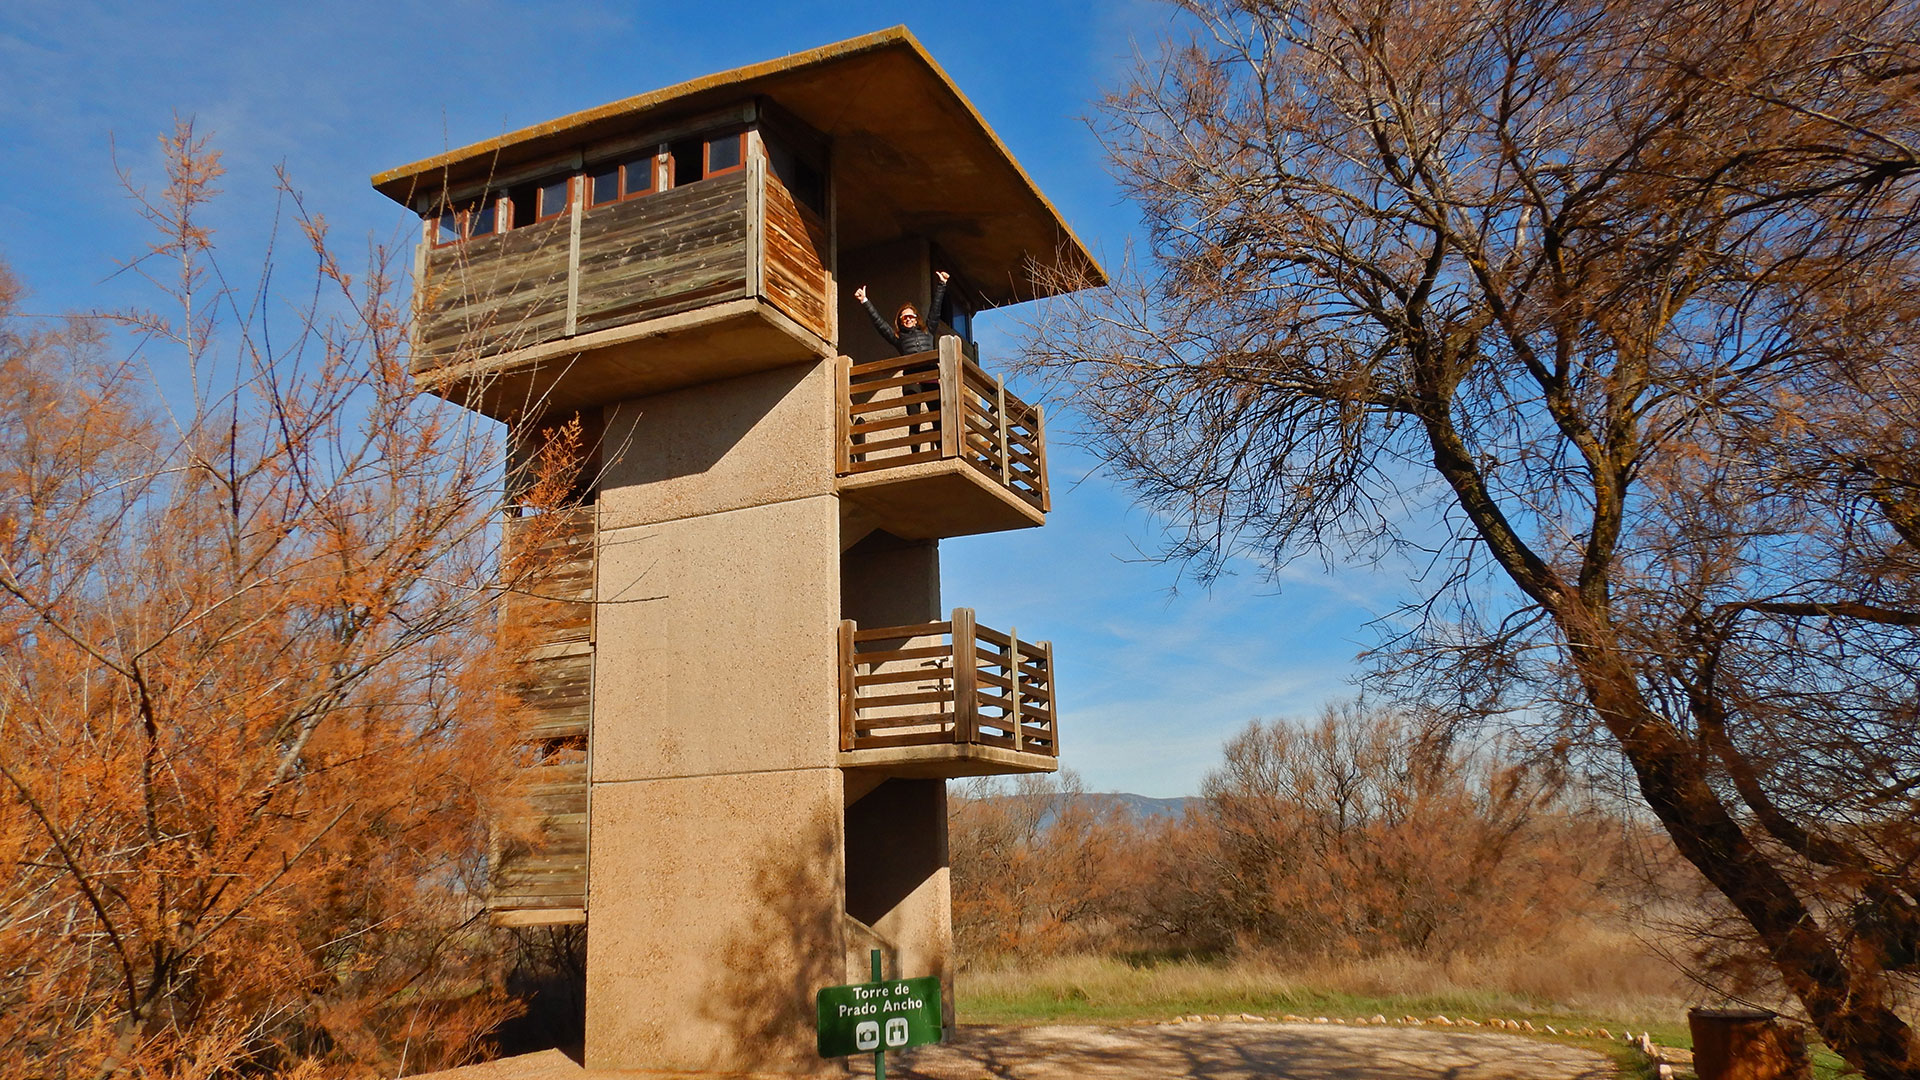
911,157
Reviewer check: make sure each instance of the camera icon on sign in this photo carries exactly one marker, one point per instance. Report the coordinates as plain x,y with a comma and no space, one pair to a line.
866,1034
897,1031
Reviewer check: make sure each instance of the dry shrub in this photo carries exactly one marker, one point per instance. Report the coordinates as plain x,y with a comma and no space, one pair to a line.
1032,866
1372,832
1367,834
249,704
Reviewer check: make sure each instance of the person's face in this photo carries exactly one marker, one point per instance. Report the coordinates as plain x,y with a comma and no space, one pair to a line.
909,318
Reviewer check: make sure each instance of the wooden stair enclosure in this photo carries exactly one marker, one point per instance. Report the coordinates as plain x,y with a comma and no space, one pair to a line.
537,856
946,699
933,446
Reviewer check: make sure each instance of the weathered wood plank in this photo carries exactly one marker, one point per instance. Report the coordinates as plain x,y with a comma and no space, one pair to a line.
795,258
663,253
491,293
550,619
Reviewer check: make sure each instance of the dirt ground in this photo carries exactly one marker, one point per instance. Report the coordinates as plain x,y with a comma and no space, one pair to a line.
1222,1051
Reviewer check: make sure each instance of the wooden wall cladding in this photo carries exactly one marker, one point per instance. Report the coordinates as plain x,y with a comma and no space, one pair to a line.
726,238
492,294
796,258
655,255
540,854
665,253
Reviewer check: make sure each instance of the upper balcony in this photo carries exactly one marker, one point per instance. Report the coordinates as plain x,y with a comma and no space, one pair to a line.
931,446
946,699
632,276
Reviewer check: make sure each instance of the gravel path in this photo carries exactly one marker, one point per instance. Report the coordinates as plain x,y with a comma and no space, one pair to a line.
1203,1051
1230,1051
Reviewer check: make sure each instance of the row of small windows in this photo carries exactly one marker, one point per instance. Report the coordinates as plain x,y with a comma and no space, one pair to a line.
680,163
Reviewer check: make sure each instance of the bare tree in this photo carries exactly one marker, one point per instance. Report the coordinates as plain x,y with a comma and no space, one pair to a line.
1611,306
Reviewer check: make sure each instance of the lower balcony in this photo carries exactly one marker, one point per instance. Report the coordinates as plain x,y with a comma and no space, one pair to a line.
946,699
931,446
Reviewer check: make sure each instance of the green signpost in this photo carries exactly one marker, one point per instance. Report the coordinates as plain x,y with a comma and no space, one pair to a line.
878,1016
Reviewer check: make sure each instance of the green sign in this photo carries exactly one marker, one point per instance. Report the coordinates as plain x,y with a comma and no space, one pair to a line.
875,1017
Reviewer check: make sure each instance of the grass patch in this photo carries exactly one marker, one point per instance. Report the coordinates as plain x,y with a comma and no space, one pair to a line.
1102,989
1542,989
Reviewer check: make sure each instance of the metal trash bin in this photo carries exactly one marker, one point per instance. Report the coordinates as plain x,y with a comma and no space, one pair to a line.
1746,1044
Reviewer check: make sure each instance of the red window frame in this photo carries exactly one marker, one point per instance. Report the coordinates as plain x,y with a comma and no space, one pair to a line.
651,164
586,180
566,203
463,221
707,171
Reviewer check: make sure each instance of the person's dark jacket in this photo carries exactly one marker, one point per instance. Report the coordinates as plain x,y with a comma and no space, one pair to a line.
918,340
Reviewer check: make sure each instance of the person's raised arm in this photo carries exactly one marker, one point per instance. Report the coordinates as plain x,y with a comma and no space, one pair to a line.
940,278
879,320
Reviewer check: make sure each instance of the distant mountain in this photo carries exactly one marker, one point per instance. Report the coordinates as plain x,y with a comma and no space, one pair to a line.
1141,807
1137,808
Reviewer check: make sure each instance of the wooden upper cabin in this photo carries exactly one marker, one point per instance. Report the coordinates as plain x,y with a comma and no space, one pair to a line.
703,231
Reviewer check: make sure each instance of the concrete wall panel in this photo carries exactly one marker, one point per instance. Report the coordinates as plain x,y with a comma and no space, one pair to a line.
749,441
716,908
717,647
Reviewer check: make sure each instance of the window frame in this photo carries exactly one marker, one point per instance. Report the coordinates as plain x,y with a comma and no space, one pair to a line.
652,159
566,204
707,171
463,221
499,217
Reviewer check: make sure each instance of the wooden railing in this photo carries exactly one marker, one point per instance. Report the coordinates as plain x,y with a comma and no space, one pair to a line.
936,406
945,682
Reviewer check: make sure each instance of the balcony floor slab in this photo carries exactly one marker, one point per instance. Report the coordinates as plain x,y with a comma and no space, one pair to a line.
646,357
933,500
947,761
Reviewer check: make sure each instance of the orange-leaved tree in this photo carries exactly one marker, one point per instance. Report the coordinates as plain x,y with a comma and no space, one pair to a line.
249,716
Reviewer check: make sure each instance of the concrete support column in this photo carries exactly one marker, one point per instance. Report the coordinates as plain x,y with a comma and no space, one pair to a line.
716,860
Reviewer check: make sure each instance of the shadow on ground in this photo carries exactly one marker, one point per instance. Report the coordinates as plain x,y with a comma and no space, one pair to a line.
1245,1052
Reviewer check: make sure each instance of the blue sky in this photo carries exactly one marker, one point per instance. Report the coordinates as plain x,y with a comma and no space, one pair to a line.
1154,673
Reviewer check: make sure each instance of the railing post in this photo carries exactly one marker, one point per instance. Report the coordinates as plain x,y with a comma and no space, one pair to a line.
842,416
847,688
1040,458
953,415
966,665
1053,697
1000,425
1013,676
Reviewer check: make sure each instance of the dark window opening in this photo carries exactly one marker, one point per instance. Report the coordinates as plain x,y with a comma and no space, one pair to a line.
726,153
539,201
481,220
807,184
603,185
523,206
687,163
447,229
